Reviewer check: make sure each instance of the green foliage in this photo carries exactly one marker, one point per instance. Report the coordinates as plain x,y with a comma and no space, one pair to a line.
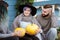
58,29
22,2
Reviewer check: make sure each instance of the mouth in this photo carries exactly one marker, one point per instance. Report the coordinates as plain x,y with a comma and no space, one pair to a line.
43,15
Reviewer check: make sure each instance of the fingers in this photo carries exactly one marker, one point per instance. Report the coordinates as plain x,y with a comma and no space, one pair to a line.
18,33
38,30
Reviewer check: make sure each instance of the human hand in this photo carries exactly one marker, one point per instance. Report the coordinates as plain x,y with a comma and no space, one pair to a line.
38,30
17,33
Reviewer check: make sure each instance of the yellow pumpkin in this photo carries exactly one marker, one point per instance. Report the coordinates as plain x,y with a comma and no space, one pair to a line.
21,29
31,29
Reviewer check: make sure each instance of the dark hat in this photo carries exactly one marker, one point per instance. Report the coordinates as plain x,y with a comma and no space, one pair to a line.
33,12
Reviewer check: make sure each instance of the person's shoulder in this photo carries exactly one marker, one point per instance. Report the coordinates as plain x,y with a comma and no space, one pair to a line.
54,16
19,16
38,16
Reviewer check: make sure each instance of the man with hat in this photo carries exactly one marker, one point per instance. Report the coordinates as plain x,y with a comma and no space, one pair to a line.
26,17
48,22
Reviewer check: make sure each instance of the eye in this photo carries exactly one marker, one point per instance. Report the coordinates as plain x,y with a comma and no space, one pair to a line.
24,9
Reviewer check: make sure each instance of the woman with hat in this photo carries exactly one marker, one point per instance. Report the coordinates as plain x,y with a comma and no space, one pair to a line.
26,17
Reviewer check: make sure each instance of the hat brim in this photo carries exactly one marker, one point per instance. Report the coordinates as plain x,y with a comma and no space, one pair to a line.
33,12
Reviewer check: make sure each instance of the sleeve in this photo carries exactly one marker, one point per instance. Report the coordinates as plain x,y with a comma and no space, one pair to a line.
16,23
9,31
5,35
54,22
36,22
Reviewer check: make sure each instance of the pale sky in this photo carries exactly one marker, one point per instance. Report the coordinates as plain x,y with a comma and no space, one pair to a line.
40,0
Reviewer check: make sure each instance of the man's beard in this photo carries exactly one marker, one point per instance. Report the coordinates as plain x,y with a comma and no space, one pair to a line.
43,15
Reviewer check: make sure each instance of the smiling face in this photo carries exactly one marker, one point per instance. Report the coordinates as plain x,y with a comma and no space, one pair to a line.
46,11
26,11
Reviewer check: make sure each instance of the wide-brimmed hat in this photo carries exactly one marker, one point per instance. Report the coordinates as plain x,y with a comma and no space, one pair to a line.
33,12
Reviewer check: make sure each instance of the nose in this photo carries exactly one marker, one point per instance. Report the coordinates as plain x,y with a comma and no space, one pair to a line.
44,11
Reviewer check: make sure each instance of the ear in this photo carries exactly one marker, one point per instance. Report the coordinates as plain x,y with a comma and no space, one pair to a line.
53,8
42,7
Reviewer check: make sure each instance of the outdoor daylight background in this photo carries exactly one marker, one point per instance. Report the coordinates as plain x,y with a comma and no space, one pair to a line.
12,8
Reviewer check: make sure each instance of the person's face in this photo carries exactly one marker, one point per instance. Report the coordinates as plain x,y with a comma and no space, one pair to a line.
27,11
46,12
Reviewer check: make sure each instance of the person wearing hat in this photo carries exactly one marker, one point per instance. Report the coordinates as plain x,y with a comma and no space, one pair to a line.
48,22
26,17
5,33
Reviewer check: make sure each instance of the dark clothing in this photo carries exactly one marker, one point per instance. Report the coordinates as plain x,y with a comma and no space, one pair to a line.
10,38
28,37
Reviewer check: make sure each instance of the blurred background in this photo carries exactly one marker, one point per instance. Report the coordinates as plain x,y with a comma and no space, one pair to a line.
13,11
13,5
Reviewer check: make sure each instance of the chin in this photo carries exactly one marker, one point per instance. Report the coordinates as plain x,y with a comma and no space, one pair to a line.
43,15
26,15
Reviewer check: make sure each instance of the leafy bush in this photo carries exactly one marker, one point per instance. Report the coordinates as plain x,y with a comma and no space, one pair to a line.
58,29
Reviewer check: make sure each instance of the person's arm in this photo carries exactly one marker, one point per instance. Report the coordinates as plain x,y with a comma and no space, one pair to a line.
54,21
16,23
6,35
36,22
